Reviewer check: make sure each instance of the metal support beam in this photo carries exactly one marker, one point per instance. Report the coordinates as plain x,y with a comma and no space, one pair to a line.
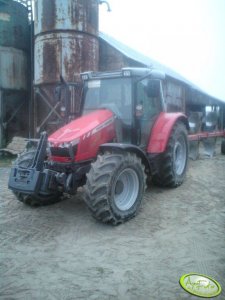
47,117
52,108
39,92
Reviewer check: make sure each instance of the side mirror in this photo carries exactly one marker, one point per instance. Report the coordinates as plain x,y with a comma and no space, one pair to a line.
153,88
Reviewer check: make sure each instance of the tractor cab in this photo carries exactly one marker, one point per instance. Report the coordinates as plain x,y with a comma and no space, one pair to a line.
134,96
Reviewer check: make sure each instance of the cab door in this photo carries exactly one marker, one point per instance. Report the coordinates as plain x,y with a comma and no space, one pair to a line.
148,106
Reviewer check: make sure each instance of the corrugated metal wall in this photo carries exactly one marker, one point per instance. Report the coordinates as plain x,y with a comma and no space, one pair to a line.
14,53
174,95
112,59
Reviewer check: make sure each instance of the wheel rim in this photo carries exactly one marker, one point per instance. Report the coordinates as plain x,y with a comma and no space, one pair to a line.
126,189
179,155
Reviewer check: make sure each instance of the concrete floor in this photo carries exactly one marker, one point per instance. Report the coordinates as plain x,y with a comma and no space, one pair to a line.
60,252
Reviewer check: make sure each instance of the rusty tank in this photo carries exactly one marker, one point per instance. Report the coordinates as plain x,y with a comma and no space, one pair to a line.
66,44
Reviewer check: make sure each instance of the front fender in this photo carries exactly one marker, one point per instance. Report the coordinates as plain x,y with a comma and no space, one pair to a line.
127,148
162,129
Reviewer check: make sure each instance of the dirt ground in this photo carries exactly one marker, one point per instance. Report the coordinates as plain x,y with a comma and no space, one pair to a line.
61,252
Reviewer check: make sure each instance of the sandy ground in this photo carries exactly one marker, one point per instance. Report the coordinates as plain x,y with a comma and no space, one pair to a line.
61,252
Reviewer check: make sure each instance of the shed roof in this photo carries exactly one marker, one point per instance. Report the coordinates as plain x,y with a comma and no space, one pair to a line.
151,63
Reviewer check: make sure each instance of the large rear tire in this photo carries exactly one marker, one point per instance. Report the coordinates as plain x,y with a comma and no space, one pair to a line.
25,161
173,164
115,187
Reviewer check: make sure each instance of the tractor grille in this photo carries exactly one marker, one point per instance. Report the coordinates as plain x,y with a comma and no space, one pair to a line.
62,152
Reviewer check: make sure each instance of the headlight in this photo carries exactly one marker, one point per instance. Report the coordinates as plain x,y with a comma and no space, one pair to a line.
64,145
64,149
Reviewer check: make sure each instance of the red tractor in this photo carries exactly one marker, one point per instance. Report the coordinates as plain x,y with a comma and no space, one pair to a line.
123,137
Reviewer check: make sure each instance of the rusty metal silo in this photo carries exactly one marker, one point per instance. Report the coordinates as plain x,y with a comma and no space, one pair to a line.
14,60
66,44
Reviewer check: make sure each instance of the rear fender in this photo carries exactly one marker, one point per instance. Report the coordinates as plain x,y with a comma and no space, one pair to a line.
161,131
127,148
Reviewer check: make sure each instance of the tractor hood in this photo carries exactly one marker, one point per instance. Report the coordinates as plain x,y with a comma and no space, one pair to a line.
87,133
81,126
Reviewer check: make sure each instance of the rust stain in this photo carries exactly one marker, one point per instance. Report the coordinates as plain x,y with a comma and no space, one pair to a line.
64,52
77,12
84,15
81,55
89,54
92,17
48,14
50,62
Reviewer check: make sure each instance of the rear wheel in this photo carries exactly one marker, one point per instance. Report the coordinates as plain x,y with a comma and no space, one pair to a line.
115,187
25,161
173,164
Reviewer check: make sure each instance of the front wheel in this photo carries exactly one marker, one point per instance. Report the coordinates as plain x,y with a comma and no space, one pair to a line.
173,163
115,187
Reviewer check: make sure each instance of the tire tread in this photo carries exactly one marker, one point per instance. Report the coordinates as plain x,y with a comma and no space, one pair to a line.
96,190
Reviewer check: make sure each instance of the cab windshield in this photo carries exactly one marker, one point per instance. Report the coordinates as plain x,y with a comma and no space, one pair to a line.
114,94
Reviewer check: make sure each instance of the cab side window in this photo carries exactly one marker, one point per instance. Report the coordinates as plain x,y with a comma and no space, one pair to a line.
147,108
148,95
